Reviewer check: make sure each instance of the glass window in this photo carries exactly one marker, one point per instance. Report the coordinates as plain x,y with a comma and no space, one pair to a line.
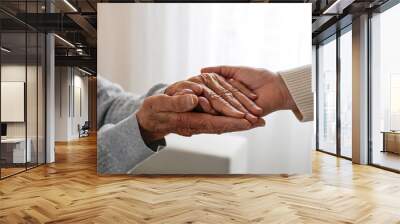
22,92
395,102
327,96
385,87
346,94
15,150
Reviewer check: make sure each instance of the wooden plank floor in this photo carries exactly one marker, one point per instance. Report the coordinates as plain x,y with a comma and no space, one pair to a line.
69,191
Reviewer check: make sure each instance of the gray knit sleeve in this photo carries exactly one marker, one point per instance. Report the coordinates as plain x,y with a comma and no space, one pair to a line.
120,146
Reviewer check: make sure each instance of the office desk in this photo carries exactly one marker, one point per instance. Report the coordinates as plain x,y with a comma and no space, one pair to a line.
13,150
391,141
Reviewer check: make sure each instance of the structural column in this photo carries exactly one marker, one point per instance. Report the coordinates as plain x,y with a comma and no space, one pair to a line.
50,98
360,89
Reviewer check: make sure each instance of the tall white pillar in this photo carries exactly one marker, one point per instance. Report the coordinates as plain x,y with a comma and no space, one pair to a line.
50,99
360,90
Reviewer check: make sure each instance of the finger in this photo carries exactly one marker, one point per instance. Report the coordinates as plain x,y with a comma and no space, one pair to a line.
250,117
260,123
242,88
220,105
202,106
196,79
217,103
205,106
165,103
244,100
226,71
176,87
184,91
211,81
205,123
185,132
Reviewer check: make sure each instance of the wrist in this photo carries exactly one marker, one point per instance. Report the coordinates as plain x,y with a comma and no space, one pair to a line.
148,136
287,102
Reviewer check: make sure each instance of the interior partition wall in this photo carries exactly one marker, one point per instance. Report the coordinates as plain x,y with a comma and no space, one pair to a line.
334,94
23,92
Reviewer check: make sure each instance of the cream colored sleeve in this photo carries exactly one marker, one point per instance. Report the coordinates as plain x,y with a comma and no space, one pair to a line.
299,83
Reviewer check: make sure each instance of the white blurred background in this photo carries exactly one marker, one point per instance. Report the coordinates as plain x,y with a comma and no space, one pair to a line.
166,43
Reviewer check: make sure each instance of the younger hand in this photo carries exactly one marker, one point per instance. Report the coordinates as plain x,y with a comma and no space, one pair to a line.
272,93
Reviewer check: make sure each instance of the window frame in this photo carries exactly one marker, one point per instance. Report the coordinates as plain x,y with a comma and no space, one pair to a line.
334,37
381,9
31,30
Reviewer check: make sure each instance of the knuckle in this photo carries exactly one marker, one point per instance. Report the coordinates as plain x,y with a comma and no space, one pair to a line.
227,93
215,96
147,103
205,77
234,90
196,79
192,86
213,75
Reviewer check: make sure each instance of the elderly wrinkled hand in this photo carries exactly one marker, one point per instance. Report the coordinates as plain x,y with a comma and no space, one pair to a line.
202,104
218,97
163,114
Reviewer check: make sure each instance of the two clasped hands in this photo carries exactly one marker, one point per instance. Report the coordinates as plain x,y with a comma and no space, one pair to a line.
219,100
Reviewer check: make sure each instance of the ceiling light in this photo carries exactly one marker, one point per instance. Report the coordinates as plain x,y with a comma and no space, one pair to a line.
65,41
70,5
84,71
5,50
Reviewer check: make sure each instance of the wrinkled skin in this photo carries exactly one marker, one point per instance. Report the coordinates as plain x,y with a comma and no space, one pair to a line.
272,93
217,96
174,112
160,115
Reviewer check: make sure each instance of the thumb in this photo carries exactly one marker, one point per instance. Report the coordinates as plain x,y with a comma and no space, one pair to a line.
177,103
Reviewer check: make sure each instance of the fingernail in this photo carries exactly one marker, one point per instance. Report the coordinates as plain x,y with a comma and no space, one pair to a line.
259,110
190,100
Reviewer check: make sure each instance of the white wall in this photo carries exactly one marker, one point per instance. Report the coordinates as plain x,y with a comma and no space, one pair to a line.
12,73
165,43
67,116
33,127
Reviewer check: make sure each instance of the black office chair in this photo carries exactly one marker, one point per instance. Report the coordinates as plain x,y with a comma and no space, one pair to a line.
84,130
